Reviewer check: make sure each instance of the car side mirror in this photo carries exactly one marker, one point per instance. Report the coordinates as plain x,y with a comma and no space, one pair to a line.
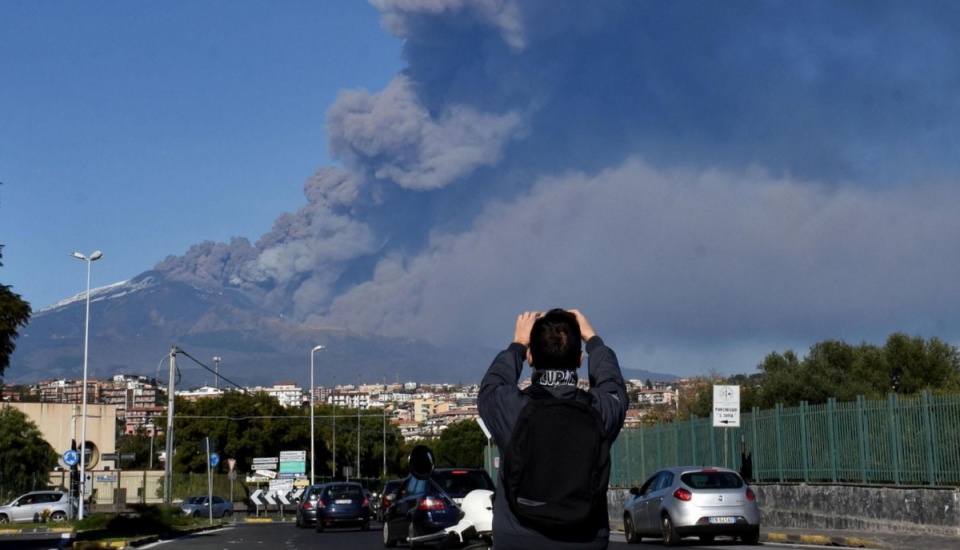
421,462
635,491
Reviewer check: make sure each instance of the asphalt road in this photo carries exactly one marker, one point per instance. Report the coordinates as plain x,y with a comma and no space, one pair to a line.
265,536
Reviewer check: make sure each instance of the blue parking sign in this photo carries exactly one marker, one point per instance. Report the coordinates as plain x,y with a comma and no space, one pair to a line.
71,458
214,460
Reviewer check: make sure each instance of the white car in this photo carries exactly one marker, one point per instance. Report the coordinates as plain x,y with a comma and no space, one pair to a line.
34,507
692,501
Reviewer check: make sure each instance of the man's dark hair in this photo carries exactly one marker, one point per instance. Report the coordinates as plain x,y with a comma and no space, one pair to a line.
555,341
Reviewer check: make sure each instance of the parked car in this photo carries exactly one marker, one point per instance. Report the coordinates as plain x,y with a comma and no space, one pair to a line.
198,507
34,506
425,506
692,501
390,489
342,503
307,507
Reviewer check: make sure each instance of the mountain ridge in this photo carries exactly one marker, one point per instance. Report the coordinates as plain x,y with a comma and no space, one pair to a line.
134,325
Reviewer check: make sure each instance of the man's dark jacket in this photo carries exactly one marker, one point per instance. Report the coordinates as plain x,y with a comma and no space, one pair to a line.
500,402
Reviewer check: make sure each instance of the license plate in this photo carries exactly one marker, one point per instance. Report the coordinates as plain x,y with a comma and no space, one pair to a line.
723,520
343,501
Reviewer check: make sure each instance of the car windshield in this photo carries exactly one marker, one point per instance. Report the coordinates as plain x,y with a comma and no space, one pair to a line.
712,480
194,500
461,482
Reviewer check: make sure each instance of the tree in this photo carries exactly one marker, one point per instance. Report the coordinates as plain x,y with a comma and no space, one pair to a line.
461,444
25,457
14,315
834,369
141,444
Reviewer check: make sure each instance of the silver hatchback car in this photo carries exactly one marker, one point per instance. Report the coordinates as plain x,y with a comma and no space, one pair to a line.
692,501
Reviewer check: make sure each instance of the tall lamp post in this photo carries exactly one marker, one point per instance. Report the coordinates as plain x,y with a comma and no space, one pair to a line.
313,457
86,348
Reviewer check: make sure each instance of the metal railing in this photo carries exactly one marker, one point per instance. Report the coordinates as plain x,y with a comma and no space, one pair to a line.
897,440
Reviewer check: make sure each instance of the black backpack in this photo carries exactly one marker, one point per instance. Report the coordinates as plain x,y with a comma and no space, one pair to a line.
557,466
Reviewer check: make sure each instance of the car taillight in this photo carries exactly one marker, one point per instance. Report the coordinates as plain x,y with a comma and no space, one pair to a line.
307,505
431,503
750,494
682,494
365,502
319,504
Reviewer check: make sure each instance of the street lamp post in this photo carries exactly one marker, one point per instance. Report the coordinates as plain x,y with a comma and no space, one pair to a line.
86,348
313,457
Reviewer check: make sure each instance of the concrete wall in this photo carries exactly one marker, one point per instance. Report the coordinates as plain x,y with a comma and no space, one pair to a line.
62,422
928,510
920,510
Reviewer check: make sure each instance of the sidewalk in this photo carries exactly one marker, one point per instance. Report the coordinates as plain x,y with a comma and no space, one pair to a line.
859,539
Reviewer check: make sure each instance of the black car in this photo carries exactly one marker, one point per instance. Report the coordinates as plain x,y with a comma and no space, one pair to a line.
342,504
425,506
389,492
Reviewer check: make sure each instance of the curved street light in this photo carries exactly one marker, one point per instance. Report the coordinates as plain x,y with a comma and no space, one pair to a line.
86,347
313,458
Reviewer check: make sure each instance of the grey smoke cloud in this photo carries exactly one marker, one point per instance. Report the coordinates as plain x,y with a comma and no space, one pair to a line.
392,136
693,175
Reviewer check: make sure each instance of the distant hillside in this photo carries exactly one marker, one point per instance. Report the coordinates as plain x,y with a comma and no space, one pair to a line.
134,324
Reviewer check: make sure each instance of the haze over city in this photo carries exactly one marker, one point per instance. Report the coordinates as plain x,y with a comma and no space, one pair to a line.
708,182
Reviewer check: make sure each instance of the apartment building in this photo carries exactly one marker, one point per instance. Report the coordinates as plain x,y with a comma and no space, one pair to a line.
131,392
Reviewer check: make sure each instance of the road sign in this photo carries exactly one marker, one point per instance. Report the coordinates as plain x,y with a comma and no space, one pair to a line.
214,460
726,406
112,457
231,463
128,456
71,458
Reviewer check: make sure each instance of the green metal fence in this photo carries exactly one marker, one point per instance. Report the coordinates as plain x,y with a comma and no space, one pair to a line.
901,441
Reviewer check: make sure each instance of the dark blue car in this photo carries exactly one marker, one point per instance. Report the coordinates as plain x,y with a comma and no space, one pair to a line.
342,504
426,506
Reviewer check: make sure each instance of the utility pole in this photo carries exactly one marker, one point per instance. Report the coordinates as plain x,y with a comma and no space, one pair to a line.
358,427
168,463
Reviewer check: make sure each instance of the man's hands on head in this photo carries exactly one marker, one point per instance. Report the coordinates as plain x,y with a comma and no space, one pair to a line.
525,320
586,330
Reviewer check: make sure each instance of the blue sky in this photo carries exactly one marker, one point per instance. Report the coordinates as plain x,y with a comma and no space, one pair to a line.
140,128
708,181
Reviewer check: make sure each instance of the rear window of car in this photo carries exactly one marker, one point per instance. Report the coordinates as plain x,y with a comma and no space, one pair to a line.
712,480
344,491
462,481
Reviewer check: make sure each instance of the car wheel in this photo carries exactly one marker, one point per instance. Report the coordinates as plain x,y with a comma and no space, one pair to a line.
706,539
669,532
387,541
412,532
297,522
753,537
629,531
196,513
58,517
226,514
319,527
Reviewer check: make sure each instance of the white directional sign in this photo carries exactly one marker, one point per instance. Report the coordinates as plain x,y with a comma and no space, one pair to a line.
256,498
726,406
